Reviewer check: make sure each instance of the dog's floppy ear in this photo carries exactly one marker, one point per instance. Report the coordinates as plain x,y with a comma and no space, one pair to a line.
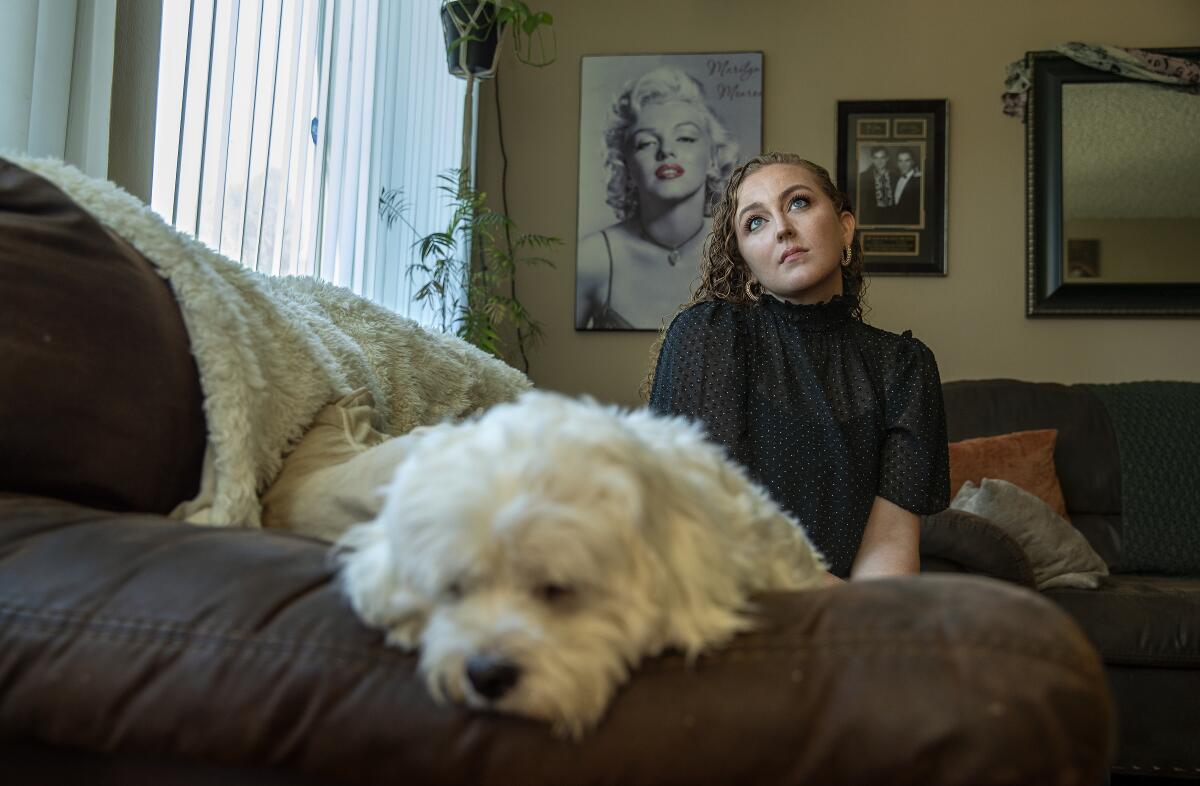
717,536
371,580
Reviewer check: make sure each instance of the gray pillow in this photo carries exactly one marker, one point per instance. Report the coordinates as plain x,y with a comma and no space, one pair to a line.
1060,555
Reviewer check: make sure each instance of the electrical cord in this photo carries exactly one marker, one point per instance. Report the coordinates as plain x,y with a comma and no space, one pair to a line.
504,205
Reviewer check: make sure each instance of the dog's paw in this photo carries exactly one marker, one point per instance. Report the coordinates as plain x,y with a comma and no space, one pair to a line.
404,634
370,580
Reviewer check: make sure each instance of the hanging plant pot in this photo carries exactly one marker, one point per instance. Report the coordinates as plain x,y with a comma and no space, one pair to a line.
472,37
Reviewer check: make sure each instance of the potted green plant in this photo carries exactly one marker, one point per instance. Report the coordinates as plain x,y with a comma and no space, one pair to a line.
473,29
482,248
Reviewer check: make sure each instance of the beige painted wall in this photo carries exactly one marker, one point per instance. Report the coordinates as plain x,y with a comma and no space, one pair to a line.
816,53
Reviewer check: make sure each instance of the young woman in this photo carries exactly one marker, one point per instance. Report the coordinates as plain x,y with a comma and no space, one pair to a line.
842,422
668,157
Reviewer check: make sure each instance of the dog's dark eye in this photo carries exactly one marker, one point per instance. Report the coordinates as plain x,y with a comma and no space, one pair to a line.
453,590
554,593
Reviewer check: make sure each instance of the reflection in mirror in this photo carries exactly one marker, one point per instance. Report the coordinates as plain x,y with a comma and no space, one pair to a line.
1131,184
1110,191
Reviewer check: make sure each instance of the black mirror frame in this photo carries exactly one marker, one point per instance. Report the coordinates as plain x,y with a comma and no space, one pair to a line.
1047,294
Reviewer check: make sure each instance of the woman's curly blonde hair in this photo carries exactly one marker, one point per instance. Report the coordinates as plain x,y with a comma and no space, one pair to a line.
724,274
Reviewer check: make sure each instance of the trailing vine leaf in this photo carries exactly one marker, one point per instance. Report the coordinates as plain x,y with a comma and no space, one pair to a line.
528,27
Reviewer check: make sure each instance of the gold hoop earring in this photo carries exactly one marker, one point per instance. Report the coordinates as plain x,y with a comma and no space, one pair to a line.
753,290
847,256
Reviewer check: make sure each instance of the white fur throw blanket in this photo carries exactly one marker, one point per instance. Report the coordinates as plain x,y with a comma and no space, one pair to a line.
273,351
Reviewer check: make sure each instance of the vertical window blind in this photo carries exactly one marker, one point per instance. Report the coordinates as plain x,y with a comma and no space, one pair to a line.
280,123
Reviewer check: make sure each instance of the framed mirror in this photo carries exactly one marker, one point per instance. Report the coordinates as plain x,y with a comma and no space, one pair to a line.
1112,193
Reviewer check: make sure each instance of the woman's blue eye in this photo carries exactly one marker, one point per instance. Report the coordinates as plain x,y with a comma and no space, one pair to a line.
753,223
801,199
642,144
688,139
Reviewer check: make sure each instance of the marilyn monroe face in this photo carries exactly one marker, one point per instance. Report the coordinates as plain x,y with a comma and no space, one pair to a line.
670,151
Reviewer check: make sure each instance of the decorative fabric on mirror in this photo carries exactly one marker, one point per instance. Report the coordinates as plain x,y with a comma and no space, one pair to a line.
1176,73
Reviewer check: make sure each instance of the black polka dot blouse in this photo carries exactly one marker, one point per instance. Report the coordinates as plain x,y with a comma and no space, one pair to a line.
823,410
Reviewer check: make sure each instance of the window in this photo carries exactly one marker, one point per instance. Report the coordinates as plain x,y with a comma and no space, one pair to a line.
280,122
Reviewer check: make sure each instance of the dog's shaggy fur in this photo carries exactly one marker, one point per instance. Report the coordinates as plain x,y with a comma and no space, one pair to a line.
537,553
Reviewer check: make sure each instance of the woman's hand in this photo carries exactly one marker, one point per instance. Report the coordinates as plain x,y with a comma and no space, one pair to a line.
890,543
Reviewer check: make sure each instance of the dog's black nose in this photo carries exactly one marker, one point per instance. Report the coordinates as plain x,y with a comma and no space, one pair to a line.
491,677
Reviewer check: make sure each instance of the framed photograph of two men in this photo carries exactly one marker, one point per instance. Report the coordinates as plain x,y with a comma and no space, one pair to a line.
891,160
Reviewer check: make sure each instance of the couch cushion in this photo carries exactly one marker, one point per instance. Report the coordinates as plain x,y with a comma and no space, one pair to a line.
100,401
1139,620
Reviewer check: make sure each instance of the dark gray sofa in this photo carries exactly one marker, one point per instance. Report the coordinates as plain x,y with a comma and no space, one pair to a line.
1146,627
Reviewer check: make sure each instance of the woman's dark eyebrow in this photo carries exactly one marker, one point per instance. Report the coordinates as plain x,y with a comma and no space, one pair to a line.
787,193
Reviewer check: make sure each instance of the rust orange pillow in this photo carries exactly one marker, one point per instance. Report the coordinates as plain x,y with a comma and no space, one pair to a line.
1023,458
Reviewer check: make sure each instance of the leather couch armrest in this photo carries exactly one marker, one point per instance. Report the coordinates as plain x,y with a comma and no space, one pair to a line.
133,636
975,544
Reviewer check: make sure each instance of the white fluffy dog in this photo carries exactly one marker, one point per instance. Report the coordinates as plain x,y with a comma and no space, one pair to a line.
537,553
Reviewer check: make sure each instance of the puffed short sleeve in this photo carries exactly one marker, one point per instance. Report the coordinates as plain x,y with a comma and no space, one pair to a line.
914,469
702,373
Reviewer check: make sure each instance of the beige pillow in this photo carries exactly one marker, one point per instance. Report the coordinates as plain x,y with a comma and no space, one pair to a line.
1059,554
333,477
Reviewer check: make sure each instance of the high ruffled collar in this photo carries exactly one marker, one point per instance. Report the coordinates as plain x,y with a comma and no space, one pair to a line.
829,315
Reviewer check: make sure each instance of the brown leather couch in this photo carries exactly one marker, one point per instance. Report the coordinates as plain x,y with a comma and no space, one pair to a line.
137,649
1146,627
